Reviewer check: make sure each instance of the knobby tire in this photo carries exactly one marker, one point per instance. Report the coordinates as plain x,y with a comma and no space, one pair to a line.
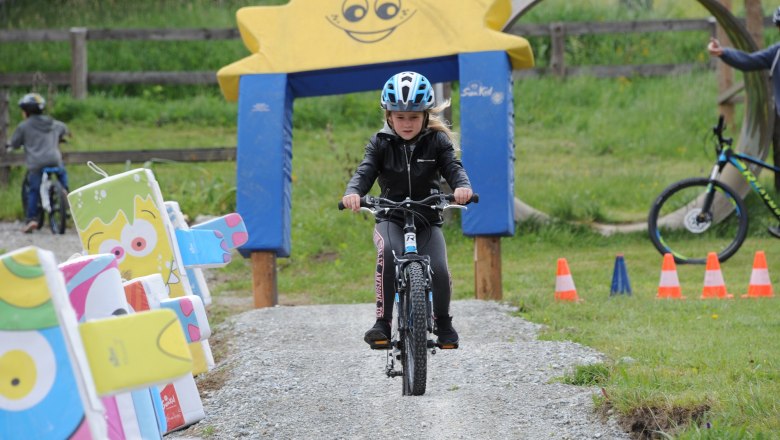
691,244
415,338
58,201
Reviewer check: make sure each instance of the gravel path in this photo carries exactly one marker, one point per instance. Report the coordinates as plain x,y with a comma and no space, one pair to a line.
304,372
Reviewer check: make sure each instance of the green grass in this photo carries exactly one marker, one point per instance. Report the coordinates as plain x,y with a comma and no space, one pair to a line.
587,150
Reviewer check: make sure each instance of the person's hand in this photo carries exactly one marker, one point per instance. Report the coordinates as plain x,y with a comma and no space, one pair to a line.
351,201
462,195
714,48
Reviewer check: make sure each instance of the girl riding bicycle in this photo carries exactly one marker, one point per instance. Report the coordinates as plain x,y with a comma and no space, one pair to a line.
408,157
40,136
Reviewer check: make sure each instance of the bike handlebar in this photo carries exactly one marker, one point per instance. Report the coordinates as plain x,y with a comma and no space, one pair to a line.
718,131
441,202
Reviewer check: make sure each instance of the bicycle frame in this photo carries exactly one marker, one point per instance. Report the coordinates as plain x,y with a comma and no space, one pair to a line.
728,156
410,255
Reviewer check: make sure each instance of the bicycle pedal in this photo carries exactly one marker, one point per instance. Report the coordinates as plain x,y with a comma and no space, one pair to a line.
448,346
382,344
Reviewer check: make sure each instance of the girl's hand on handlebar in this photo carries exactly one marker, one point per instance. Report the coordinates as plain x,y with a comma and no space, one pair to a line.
351,201
462,195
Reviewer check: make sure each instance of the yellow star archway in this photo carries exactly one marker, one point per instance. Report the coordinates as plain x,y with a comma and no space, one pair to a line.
309,35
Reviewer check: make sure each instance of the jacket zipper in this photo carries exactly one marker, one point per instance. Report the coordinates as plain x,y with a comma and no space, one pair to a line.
408,170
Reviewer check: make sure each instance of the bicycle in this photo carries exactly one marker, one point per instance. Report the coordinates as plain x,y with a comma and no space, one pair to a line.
412,325
702,214
52,202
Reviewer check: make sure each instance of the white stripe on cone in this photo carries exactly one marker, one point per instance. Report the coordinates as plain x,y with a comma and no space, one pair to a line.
564,283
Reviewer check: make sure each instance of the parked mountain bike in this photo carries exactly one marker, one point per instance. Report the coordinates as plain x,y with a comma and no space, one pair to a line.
411,338
702,214
53,201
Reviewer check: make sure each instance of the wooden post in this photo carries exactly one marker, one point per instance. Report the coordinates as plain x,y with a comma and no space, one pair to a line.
725,74
487,268
754,20
5,122
558,42
264,279
78,59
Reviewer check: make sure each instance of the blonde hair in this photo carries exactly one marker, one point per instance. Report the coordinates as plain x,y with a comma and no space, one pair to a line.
436,122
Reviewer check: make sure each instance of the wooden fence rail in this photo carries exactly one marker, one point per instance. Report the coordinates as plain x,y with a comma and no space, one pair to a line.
79,78
215,154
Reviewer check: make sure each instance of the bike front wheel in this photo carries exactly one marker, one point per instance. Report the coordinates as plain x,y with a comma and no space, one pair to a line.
58,201
415,336
693,217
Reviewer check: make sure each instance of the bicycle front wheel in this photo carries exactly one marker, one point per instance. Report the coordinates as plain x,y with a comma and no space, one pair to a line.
58,201
693,217
415,337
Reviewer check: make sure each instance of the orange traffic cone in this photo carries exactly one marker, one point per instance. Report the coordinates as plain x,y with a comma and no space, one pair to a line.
669,286
714,286
564,283
760,286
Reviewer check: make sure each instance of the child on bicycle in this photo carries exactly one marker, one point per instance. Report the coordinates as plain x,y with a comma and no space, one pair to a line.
408,157
765,59
40,136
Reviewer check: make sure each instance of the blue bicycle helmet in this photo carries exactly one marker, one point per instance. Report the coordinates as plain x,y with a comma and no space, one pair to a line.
407,92
32,103
776,17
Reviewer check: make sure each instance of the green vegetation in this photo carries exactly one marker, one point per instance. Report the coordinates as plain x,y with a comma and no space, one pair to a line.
588,150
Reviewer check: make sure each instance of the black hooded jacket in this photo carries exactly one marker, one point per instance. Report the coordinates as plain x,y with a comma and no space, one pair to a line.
408,169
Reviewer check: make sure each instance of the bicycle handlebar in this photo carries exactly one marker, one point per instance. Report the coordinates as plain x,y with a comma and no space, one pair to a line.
718,131
440,202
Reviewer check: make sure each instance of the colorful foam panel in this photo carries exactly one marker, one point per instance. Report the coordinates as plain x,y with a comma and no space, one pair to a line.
180,401
47,391
124,215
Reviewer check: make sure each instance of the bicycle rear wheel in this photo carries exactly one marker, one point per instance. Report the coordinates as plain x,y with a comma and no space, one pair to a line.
414,353
678,223
58,201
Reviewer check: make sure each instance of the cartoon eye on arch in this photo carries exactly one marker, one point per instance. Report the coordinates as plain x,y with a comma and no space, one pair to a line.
26,372
387,9
113,247
354,10
139,238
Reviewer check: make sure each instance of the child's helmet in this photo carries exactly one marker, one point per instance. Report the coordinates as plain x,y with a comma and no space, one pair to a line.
32,103
407,92
776,17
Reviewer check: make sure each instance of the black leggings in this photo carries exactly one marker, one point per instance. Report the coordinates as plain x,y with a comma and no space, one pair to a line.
389,236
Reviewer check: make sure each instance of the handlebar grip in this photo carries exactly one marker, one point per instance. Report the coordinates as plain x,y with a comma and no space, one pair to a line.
718,129
474,198
363,204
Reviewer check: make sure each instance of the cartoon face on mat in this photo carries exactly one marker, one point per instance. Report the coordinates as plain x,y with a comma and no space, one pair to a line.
369,21
138,241
38,393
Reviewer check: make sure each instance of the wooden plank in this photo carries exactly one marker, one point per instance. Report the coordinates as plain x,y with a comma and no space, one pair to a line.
216,154
614,27
616,71
29,78
34,35
264,285
201,34
729,95
112,78
487,268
